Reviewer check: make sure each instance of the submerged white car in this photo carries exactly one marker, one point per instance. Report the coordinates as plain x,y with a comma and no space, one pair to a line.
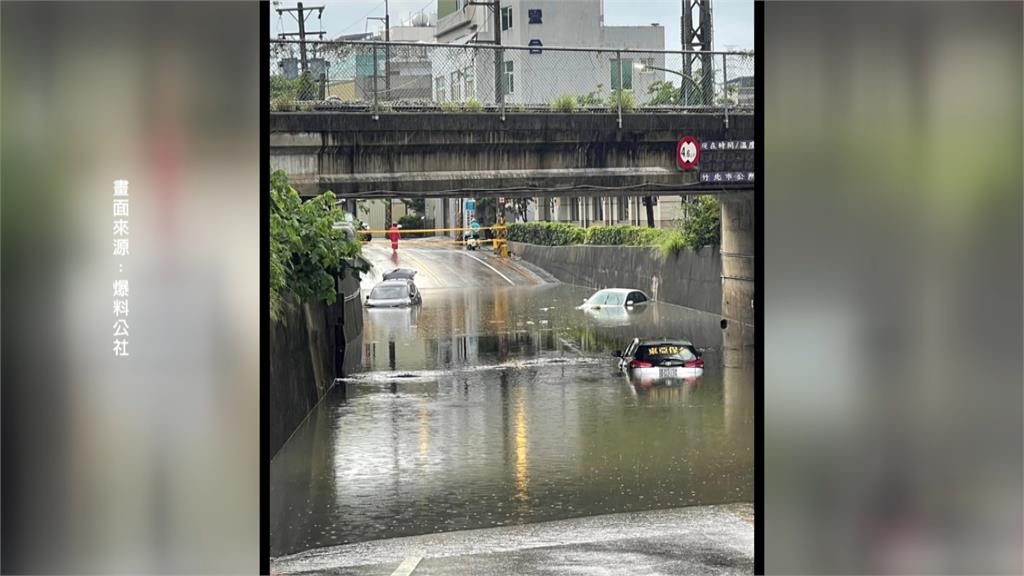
612,297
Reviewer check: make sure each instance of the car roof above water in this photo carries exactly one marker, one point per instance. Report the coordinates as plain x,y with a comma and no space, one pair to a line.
400,273
665,341
395,282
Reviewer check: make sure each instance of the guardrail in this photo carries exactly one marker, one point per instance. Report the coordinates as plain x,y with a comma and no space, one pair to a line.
480,78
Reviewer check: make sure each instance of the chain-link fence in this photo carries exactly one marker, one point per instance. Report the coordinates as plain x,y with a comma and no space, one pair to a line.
384,76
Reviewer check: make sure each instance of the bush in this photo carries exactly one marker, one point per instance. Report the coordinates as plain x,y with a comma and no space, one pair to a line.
411,222
627,99
473,105
564,104
306,88
546,233
281,86
282,103
449,106
703,226
591,98
671,242
666,240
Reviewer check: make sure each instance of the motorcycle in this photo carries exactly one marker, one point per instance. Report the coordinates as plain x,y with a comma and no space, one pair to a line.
472,242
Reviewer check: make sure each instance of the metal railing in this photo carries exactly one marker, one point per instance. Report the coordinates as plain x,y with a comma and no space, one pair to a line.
396,76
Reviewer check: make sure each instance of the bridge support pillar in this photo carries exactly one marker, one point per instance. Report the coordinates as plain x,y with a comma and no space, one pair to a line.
737,253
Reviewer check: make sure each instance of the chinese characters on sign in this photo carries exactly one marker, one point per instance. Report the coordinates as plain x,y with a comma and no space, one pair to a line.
121,251
727,161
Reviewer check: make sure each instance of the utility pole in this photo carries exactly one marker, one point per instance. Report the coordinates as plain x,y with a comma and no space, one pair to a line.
698,36
499,85
387,49
649,204
301,18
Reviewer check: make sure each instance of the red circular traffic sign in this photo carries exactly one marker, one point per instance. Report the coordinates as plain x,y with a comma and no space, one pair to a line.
687,152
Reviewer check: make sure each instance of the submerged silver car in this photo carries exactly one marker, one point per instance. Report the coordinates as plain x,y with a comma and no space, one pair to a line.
393,294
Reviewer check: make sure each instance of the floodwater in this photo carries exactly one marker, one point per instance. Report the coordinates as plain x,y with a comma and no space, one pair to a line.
498,405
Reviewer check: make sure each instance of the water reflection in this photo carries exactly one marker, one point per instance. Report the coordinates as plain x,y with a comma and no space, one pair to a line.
522,470
503,406
618,315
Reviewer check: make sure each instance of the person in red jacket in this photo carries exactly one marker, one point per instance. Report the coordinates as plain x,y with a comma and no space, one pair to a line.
393,235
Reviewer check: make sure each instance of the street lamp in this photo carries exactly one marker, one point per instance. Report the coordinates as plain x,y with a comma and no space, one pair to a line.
641,67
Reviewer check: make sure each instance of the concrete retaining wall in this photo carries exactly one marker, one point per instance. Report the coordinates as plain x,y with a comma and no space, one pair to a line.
688,278
310,346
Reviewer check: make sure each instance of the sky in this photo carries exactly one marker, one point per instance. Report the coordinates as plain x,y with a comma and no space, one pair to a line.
733,19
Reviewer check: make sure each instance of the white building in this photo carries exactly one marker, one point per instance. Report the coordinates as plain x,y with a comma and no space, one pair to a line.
540,78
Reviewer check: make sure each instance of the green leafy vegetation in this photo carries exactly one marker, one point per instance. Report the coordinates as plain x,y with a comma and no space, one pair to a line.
700,229
625,97
546,233
703,225
307,252
664,93
282,104
592,98
302,88
473,105
565,103
411,222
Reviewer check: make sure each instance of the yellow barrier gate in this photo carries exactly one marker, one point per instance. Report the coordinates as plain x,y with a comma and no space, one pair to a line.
499,242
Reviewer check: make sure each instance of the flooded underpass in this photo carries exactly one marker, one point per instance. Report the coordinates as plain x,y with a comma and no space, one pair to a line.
501,405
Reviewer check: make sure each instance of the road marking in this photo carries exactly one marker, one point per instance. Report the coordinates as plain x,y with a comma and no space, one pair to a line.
426,269
407,566
489,266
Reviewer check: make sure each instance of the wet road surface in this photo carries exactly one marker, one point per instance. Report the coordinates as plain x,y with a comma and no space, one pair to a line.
496,403
714,539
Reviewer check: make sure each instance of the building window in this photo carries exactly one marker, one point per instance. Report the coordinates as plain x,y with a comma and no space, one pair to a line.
470,82
626,71
622,206
535,16
459,5
506,18
574,210
439,88
598,204
508,81
456,87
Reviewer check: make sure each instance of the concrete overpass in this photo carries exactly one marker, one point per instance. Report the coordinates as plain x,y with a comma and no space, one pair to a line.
458,154
446,155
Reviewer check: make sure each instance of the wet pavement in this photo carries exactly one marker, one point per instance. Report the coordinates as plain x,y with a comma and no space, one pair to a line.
495,404
715,539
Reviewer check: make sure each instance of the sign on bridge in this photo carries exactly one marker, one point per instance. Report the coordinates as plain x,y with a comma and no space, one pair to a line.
727,161
688,152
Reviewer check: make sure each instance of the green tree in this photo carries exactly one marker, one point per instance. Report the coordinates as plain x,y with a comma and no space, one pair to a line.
416,205
486,211
702,227
664,93
307,252
281,87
